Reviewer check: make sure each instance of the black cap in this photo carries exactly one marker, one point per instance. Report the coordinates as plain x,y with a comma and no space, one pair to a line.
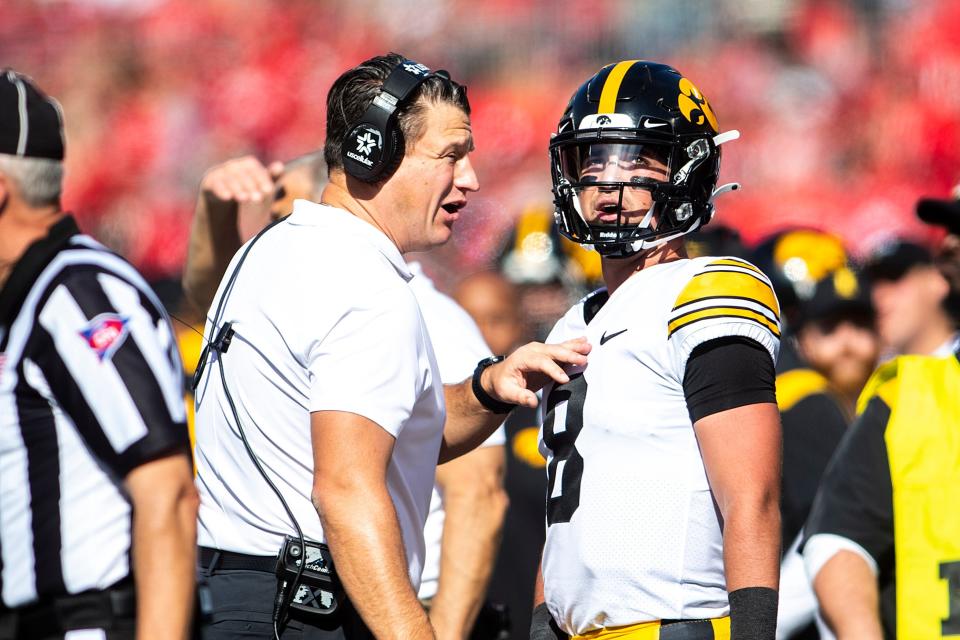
893,260
31,124
945,213
843,294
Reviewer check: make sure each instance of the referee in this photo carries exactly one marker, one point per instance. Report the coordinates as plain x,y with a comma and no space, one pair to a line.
97,503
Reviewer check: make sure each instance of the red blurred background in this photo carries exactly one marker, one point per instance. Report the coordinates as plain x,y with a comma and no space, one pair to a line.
849,111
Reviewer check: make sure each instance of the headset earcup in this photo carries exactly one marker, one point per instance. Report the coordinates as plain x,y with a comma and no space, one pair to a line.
364,151
393,152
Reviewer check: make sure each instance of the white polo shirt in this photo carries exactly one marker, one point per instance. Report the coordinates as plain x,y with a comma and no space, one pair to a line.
459,346
324,320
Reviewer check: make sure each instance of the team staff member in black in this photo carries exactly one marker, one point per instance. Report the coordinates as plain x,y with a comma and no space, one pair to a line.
883,540
97,502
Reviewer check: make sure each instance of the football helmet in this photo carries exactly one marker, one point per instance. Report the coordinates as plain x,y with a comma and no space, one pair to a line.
635,159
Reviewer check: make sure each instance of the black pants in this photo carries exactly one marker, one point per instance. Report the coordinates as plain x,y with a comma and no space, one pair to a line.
242,607
109,614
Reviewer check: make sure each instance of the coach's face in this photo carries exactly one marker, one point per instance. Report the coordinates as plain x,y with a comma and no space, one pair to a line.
431,184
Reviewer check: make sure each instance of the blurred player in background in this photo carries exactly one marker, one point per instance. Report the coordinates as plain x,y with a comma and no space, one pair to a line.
550,271
494,302
663,453
812,412
837,334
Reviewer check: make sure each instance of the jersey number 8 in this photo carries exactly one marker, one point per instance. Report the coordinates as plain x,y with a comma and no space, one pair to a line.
566,467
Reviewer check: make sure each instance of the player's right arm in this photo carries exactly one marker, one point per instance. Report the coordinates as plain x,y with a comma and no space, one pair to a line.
214,233
724,330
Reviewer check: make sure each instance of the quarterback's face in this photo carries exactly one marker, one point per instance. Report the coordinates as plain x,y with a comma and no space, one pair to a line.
432,182
634,164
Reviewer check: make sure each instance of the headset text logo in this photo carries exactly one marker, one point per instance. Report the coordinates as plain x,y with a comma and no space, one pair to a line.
416,68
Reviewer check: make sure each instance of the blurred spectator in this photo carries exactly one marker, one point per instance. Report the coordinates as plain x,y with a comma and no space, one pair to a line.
848,104
911,297
494,303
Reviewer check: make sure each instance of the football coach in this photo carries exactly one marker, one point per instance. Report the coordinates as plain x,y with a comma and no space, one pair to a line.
320,412
97,502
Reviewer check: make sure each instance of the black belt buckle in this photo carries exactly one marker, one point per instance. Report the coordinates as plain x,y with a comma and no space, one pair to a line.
318,591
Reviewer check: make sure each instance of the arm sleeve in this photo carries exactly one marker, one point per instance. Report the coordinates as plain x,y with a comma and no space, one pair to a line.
374,361
855,501
109,355
725,373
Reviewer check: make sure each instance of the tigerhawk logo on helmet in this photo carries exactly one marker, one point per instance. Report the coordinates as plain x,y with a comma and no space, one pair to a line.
635,159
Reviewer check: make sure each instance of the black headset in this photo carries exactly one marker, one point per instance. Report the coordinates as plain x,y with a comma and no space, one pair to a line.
374,146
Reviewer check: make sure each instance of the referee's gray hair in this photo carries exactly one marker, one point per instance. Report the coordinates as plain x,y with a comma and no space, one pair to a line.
39,180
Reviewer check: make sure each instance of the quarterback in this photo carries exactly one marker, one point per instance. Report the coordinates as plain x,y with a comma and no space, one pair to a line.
663,453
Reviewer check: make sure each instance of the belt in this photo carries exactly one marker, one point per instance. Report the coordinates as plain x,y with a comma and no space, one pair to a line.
213,559
713,629
88,610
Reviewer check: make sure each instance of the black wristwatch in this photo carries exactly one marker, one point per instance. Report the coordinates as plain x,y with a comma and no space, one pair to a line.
489,402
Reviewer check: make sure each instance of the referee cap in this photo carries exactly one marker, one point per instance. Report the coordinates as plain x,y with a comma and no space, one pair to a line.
31,123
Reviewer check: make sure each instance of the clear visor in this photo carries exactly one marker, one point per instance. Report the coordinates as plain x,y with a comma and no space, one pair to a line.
614,162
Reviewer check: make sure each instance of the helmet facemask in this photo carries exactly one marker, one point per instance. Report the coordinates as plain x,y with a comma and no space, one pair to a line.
623,192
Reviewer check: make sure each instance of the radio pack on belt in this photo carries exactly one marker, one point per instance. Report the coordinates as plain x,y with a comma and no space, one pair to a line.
317,592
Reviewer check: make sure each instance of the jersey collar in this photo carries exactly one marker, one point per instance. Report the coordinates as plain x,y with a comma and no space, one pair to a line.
37,256
314,214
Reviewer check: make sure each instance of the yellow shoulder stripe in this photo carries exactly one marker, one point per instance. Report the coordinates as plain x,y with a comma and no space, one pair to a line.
728,284
797,384
722,312
611,86
883,383
734,262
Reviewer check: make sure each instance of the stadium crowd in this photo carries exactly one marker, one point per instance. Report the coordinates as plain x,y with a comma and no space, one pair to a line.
848,109
849,114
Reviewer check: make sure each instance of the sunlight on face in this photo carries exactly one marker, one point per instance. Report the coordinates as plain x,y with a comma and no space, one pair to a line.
619,163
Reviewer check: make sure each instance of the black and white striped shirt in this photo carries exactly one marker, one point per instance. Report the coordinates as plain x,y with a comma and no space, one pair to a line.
91,386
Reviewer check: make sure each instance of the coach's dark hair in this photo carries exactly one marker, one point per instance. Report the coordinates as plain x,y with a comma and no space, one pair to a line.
353,92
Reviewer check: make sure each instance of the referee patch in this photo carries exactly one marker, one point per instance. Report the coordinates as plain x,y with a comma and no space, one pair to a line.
105,333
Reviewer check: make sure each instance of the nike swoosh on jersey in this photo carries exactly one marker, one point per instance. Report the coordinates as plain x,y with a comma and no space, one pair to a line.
606,338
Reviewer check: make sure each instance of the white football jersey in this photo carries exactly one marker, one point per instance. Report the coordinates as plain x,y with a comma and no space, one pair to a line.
632,531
